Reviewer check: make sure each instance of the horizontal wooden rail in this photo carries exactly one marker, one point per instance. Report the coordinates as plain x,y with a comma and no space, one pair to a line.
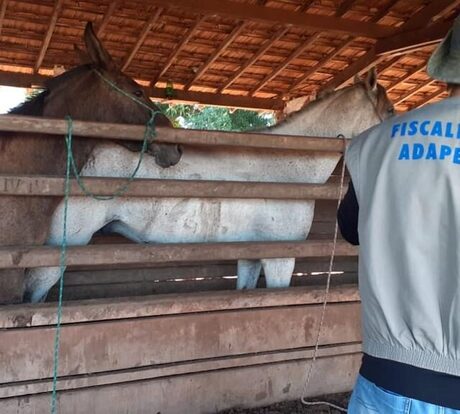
170,135
43,256
23,185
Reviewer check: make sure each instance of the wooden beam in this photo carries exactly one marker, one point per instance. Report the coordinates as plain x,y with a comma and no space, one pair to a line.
406,37
294,55
58,127
24,185
270,15
46,41
346,43
342,9
140,41
2,13
26,80
265,47
427,14
221,48
108,14
413,40
414,91
21,257
408,75
175,52
215,99
431,97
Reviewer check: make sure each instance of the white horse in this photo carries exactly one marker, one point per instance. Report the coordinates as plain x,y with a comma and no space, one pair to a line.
348,111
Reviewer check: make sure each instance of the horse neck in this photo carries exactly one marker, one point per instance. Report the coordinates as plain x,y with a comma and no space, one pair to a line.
346,112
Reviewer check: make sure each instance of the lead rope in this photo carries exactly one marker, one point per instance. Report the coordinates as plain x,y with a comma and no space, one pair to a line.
71,167
303,399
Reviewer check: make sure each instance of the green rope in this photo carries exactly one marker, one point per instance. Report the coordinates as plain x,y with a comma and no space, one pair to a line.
71,166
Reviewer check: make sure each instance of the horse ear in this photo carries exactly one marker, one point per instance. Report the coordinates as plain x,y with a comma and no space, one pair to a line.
371,80
96,51
356,79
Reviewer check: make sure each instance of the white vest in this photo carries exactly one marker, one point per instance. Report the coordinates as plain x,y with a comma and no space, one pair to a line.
406,173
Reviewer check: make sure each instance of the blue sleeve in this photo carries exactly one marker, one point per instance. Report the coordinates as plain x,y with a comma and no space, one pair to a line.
347,216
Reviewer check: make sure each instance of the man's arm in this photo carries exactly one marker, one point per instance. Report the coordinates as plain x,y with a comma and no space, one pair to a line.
347,216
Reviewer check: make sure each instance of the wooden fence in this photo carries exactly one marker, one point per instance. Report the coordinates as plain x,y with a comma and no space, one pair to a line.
140,336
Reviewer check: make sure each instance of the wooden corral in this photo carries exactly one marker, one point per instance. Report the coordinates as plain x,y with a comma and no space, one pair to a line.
162,326
236,53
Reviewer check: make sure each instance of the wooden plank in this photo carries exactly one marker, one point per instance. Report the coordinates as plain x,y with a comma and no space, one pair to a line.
23,185
408,75
270,15
11,286
16,316
113,4
141,39
27,354
432,96
17,257
214,56
175,52
169,135
252,386
184,368
49,34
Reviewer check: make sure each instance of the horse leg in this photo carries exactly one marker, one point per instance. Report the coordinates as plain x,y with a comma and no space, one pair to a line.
83,220
248,274
278,272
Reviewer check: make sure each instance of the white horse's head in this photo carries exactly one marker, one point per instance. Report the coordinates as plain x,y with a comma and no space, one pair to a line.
347,111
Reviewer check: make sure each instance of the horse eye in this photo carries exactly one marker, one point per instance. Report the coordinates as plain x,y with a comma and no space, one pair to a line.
138,93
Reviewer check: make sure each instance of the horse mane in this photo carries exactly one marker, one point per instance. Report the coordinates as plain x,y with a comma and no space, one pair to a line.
33,106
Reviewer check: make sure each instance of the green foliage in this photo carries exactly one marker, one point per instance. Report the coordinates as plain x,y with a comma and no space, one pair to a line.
214,118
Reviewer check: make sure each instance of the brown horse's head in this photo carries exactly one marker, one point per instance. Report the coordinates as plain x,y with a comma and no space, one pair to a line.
89,93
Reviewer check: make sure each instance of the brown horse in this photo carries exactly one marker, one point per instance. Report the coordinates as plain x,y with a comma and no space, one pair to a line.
84,95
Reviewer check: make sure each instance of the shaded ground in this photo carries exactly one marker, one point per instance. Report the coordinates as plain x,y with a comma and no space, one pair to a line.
296,407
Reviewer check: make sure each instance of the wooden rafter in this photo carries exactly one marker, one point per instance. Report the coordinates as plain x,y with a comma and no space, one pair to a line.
265,47
270,15
297,52
108,14
46,41
431,97
2,13
414,91
408,75
375,54
141,39
233,35
175,52
299,83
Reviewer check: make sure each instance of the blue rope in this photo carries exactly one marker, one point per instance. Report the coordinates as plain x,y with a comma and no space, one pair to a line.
71,167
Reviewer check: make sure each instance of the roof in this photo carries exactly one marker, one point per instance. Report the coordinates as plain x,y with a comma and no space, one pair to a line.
247,53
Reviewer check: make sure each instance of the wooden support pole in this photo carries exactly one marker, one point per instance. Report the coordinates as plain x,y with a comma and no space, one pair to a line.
169,135
23,185
21,257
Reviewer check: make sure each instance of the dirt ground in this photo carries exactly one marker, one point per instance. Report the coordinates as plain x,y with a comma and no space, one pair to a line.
296,407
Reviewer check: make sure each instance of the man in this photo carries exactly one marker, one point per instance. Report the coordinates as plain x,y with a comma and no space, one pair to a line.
406,181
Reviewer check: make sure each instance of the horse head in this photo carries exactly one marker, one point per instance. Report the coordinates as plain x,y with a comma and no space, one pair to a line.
99,91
